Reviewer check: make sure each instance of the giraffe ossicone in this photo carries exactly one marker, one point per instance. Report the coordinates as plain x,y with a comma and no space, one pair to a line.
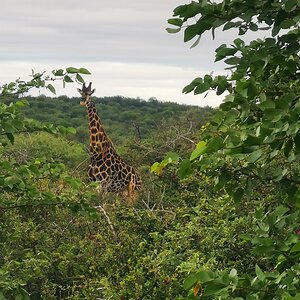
106,166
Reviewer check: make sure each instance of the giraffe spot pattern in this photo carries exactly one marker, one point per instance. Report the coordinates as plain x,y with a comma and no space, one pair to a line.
114,174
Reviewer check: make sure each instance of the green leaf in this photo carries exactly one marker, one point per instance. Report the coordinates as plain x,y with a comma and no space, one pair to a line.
268,104
232,60
184,168
274,115
79,78
18,124
254,156
205,276
62,129
260,274
189,10
221,180
264,226
214,288
175,22
280,210
59,72
222,83
275,30
238,195
171,157
228,25
296,248
201,88
200,149
10,181
74,183
196,42
208,79
8,128
51,88
34,169
6,165
71,130
156,168
68,79
253,27
223,51
259,213
290,5
173,30
190,281
252,90
11,137
190,32
72,70
188,88
84,71
179,10
21,103
287,24
215,144
239,43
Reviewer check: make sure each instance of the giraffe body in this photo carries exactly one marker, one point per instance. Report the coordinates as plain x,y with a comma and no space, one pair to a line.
106,166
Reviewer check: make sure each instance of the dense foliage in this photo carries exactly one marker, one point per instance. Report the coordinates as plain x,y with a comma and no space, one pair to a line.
219,219
252,142
56,245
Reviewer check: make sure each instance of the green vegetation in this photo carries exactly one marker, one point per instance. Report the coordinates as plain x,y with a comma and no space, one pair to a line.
218,217
252,143
123,117
60,246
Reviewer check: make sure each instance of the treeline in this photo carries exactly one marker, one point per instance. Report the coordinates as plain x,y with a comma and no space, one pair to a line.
122,117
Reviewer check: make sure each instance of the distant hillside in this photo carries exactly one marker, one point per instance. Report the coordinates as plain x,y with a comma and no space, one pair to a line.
122,117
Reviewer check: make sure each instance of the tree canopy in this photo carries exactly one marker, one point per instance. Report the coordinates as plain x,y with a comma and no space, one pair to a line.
252,143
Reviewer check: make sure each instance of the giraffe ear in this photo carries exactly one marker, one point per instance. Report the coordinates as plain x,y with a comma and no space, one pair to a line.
79,90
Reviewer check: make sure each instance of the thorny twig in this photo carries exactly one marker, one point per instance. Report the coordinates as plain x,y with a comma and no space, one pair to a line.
110,224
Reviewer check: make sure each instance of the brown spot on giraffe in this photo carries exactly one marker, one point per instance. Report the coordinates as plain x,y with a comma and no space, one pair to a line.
106,166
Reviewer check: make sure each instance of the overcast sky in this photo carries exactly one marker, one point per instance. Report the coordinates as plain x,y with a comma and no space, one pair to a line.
124,44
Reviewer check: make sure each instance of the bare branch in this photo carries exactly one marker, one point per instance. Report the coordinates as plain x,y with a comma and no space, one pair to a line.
110,224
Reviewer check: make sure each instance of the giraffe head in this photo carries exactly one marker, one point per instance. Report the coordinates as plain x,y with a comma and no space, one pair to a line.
86,94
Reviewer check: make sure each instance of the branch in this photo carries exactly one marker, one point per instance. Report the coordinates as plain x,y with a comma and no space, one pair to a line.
110,224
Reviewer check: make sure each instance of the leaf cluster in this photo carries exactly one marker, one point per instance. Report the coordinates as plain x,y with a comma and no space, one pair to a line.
252,141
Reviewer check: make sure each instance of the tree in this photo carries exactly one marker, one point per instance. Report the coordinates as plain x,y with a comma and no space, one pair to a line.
253,140
28,185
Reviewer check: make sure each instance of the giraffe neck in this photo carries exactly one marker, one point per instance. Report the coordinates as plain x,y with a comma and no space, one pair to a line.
100,144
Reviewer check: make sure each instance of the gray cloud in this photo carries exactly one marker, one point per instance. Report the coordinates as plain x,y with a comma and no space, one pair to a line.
101,30
127,37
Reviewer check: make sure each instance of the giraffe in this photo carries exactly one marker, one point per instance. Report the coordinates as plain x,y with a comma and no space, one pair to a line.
106,166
